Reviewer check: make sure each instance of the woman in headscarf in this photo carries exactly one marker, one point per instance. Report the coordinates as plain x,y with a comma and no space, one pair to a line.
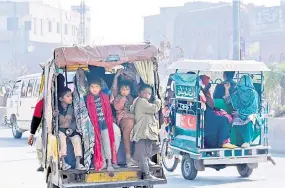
217,123
245,101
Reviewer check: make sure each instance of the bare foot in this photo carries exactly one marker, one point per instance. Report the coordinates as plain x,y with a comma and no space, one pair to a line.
110,168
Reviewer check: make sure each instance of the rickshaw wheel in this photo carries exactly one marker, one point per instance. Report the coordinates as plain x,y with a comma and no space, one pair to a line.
244,171
189,172
168,154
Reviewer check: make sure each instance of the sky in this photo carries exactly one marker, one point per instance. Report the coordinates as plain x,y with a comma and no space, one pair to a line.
121,21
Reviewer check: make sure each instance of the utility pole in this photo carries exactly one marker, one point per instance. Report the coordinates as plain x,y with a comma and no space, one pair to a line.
236,29
82,9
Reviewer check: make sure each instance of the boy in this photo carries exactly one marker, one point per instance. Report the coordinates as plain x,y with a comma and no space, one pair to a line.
67,128
100,113
146,128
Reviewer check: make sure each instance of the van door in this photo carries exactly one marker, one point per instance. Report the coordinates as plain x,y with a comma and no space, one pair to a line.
13,99
27,104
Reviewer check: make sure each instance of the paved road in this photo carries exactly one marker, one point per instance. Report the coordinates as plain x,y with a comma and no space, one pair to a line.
18,165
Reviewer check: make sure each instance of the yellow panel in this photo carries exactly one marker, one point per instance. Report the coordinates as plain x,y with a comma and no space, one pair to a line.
111,176
52,147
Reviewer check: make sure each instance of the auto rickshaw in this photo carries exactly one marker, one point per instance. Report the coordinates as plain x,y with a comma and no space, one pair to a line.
185,119
66,61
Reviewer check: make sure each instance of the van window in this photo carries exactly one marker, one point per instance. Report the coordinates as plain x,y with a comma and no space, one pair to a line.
30,87
24,88
16,88
37,88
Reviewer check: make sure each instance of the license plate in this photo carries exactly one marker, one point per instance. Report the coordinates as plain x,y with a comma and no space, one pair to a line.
111,176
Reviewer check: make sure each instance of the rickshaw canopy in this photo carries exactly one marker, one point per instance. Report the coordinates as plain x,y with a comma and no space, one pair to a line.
219,65
103,56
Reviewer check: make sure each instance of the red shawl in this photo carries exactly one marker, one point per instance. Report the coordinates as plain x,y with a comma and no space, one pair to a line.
98,158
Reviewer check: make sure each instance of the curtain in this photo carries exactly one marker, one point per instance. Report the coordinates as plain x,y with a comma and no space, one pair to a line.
145,71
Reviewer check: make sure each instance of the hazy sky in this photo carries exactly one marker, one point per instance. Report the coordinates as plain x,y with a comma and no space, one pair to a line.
121,21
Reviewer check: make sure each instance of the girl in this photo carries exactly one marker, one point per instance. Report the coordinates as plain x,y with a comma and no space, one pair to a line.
125,118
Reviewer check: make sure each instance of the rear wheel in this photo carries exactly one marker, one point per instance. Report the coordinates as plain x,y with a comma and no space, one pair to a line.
15,130
244,171
49,182
189,172
169,160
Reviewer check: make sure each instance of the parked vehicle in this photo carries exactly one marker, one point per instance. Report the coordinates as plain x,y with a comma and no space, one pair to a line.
186,119
68,60
21,103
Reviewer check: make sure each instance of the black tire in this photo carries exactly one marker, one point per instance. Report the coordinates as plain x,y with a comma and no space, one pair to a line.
16,133
189,172
244,171
165,154
49,182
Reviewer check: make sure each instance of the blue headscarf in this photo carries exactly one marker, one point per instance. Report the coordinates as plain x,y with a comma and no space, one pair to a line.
245,99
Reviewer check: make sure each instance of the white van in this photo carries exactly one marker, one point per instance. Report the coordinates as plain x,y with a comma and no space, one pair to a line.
21,103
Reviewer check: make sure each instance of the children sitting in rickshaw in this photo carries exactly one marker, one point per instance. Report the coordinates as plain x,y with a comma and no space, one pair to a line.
67,128
125,118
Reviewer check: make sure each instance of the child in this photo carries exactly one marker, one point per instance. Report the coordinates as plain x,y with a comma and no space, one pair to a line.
67,127
100,113
146,128
125,118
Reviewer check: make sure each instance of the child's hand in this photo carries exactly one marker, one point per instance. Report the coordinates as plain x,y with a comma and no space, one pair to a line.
55,113
118,73
69,132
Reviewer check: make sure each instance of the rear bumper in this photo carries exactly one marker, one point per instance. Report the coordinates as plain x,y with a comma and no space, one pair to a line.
231,161
116,184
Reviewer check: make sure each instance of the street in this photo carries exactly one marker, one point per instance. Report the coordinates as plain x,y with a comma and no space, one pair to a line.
18,166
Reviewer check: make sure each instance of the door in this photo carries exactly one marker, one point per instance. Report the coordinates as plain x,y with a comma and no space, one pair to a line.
13,99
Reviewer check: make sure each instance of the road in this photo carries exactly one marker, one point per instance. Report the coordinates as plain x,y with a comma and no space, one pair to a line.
18,166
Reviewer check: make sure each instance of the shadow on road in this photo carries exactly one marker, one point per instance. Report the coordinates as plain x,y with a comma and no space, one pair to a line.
7,142
207,181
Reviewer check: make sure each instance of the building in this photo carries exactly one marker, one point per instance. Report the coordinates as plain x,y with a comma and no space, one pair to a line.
30,30
268,32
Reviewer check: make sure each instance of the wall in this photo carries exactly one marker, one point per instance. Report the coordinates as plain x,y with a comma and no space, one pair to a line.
277,134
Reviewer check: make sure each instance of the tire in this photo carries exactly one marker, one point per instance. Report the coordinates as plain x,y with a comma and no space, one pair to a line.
49,182
189,172
165,153
244,171
16,133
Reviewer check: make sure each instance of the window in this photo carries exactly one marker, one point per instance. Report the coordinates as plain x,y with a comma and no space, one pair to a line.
37,88
66,29
73,30
35,26
24,88
49,26
16,88
58,25
30,88
42,27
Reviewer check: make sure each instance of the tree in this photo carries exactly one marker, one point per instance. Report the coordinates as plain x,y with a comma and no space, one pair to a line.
274,82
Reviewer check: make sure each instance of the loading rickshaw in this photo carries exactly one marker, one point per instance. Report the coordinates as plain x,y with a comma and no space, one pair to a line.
66,61
187,122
